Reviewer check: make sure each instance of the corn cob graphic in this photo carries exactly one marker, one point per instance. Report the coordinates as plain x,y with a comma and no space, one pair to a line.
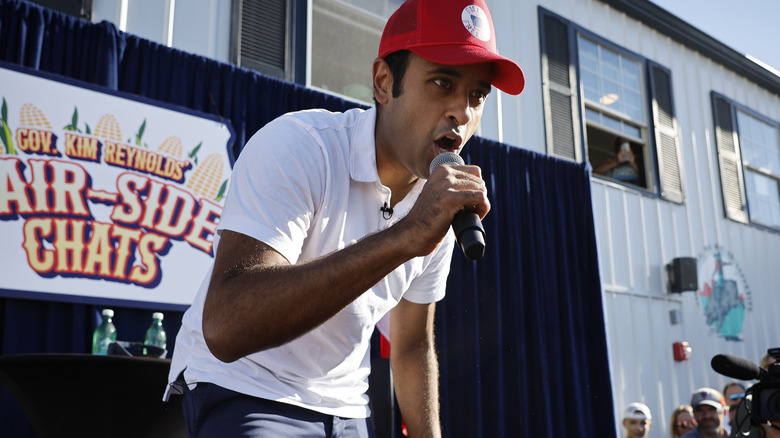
108,128
31,117
172,146
207,176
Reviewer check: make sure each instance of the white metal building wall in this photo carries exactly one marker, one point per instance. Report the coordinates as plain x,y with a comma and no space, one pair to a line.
638,234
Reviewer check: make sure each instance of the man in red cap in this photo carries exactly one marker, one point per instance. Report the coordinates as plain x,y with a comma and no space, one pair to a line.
332,221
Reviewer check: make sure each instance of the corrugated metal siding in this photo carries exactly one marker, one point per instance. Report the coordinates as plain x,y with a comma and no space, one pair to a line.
639,233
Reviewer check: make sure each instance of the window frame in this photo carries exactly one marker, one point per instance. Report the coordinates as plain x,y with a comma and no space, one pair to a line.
731,211
600,107
562,88
369,21
645,130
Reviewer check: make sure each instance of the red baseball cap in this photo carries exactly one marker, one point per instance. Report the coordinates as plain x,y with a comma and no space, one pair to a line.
452,32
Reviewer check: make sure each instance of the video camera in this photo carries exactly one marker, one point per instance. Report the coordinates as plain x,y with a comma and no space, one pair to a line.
762,399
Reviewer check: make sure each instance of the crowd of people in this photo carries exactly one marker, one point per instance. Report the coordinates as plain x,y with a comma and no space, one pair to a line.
707,416
710,414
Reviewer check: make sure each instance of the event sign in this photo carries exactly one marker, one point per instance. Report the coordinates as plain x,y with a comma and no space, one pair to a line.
105,197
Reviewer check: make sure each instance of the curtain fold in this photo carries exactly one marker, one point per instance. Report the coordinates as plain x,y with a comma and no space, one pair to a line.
244,98
521,332
521,335
45,40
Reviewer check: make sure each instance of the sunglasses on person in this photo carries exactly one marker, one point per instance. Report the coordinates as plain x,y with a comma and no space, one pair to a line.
685,423
737,396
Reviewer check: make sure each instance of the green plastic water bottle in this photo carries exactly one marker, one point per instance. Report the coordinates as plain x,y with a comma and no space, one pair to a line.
104,334
156,334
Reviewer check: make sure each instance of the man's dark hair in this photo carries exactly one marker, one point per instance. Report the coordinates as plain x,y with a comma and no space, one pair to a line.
397,62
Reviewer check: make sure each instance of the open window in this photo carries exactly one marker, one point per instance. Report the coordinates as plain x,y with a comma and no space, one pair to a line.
615,117
611,107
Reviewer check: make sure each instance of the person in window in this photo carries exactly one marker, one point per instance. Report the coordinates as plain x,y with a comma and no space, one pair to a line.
331,222
623,167
682,421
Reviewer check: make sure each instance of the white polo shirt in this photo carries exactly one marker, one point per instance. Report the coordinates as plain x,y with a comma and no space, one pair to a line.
306,184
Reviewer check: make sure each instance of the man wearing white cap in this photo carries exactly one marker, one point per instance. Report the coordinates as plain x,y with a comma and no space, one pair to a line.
707,406
637,420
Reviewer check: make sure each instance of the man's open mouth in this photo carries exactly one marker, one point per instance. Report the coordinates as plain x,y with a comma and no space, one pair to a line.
448,143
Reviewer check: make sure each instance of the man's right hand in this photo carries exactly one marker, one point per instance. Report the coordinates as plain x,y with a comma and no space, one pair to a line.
449,189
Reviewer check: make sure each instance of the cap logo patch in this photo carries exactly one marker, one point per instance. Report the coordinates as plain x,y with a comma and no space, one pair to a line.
476,22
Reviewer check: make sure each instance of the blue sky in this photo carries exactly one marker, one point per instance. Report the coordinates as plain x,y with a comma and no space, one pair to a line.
747,26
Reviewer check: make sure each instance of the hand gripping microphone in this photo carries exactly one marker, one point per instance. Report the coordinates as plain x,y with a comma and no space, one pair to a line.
468,229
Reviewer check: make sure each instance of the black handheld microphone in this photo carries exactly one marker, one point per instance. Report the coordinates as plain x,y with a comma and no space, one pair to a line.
468,229
736,367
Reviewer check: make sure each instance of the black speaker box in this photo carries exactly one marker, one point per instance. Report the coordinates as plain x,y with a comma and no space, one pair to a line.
681,275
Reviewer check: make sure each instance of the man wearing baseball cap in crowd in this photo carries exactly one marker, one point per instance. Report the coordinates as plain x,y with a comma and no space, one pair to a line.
637,420
332,221
707,406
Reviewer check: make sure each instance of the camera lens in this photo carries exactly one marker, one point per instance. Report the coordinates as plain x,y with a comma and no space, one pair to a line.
766,401
773,404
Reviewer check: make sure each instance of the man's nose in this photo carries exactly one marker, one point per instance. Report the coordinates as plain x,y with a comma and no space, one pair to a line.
460,111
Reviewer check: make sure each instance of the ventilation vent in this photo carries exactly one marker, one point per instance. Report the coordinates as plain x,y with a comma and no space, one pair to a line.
262,36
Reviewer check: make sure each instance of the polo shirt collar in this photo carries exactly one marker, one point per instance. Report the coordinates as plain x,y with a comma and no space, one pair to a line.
362,149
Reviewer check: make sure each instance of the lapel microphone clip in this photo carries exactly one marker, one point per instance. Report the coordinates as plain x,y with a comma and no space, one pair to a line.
387,212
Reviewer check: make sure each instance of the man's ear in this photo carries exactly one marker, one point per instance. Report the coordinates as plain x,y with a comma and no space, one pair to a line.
383,81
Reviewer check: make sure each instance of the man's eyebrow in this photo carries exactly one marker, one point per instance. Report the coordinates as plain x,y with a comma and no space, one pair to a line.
451,72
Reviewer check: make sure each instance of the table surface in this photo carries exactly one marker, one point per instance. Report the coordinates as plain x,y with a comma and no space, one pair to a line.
108,396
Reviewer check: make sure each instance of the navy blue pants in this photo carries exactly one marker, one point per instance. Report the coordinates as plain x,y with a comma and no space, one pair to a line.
213,411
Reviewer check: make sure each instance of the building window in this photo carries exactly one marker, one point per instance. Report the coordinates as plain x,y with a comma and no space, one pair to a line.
749,159
344,42
610,107
612,86
76,8
761,159
615,120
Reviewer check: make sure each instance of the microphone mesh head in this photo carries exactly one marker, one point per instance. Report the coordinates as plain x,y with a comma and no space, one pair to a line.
735,367
445,158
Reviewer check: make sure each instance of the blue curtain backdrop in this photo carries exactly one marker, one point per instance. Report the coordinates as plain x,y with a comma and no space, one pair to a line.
521,335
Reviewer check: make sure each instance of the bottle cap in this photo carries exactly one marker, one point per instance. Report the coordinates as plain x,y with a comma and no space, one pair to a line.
108,312
157,315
